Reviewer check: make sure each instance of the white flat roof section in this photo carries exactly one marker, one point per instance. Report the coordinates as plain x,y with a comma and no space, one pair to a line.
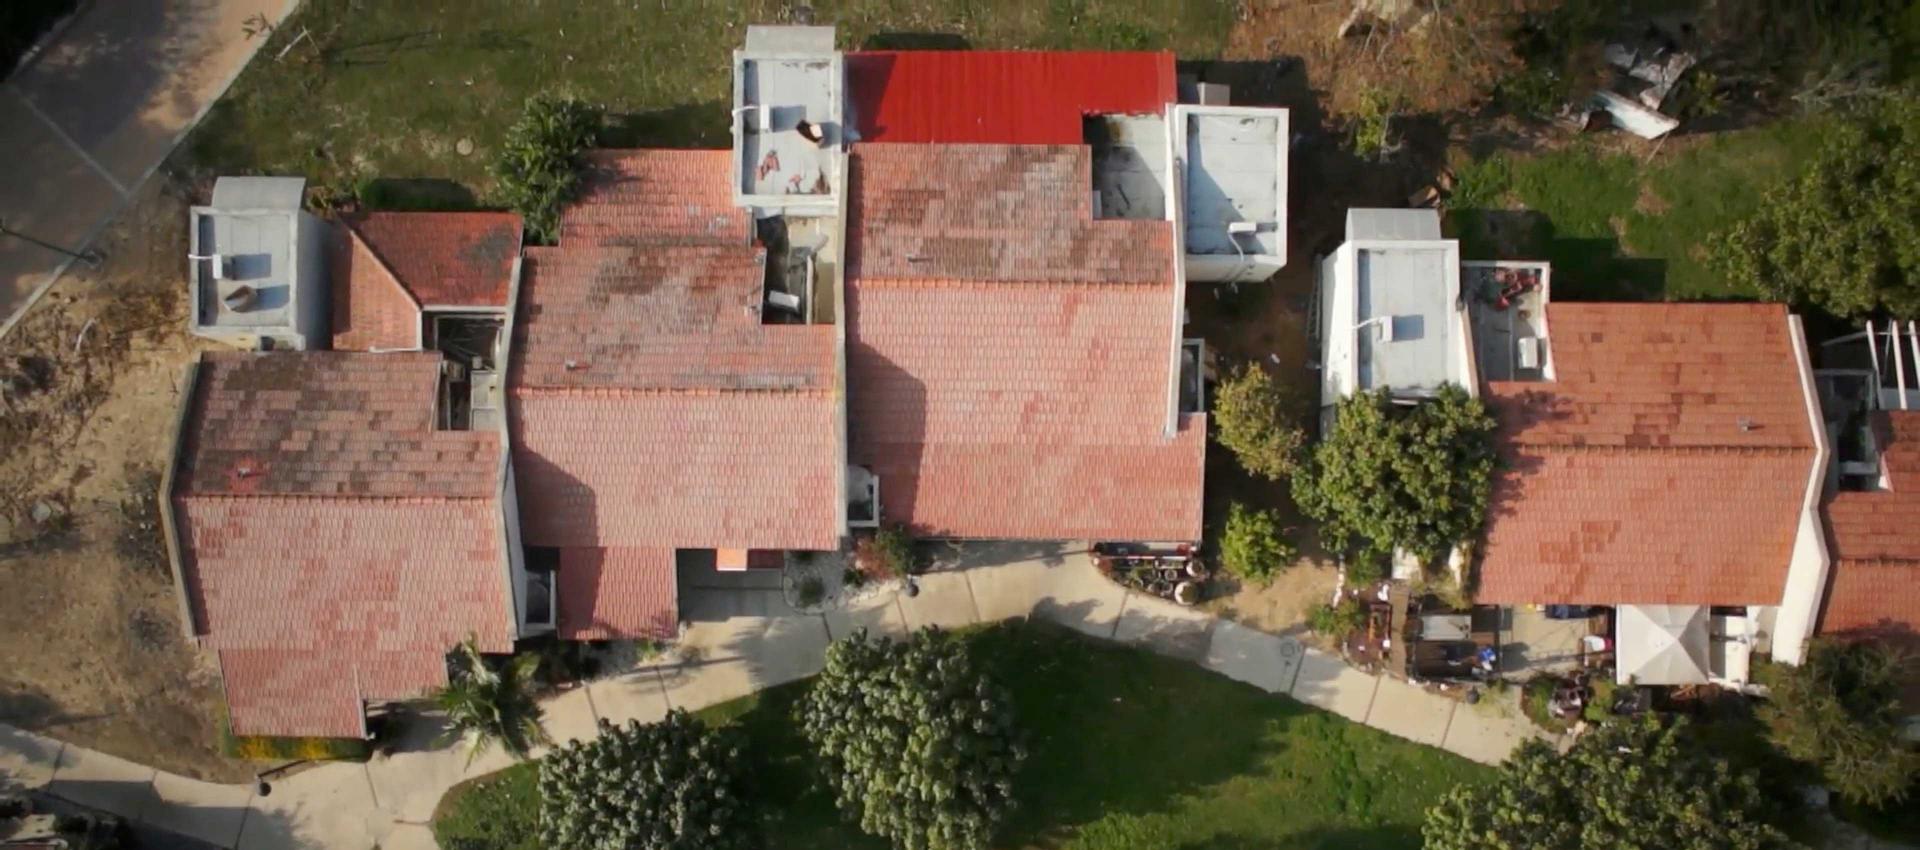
1393,225
256,252
788,127
1236,172
1129,165
1404,316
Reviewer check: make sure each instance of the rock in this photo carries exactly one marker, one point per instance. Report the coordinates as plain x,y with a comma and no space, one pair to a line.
42,511
464,147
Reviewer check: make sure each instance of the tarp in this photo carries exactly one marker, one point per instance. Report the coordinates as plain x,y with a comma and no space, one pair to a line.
1661,644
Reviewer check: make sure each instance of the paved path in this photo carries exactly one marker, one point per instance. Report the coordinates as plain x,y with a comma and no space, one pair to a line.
743,639
87,120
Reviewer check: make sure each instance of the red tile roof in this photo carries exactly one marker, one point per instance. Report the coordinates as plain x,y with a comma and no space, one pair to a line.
371,310
651,407
669,317
328,423
993,213
610,593
1016,386
461,259
1667,463
358,547
655,197
999,96
699,470
1875,538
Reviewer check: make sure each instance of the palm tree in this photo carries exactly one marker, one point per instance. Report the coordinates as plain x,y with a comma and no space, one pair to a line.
488,705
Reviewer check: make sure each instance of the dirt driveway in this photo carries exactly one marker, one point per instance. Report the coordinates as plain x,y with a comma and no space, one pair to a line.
88,622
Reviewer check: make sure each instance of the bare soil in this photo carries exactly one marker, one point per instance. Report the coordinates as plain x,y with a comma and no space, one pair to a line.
89,387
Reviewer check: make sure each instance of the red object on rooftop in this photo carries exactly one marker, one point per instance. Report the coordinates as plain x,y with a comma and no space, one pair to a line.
1000,97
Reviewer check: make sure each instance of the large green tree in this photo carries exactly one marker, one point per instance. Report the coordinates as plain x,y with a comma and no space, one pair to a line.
918,747
490,703
1258,419
1844,235
1413,476
671,785
1840,711
538,164
1632,785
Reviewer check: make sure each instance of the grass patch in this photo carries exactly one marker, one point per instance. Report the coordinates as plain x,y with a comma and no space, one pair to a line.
388,90
1615,230
1129,750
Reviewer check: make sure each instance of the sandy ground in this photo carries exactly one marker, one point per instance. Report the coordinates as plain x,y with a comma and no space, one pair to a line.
90,629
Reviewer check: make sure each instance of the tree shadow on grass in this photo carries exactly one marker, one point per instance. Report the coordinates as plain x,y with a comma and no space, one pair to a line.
703,124
1584,268
1113,730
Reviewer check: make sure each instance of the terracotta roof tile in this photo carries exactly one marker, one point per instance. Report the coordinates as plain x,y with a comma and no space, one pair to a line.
691,470
1667,463
334,544
338,589
371,310
328,423
455,259
320,693
617,593
1004,380
682,421
1012,213
656,197
1875,538
659,317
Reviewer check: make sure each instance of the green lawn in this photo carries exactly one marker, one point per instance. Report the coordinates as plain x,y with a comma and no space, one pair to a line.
389,89
1130,750
1617,230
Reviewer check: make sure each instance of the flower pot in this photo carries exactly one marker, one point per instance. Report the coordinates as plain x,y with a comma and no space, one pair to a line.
1187,593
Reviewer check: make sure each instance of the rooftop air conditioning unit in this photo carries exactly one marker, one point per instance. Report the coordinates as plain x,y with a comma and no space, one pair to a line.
218,263
1386,328
784,300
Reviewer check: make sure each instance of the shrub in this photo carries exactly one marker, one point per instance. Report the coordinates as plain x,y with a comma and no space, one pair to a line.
1258,420
488,703
887,554
1253,546
1839,711
140,541
262,748
1536,701
811,591
1373,124
655,786
1390,475
537,168
1845,234
1337,621
1642,783
917,747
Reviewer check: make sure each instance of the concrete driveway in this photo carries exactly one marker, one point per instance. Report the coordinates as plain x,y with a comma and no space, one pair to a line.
87,120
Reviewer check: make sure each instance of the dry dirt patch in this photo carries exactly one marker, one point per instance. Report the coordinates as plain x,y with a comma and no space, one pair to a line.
88,391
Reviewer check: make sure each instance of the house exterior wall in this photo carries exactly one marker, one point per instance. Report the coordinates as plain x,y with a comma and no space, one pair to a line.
312,300
1337,376
1807,569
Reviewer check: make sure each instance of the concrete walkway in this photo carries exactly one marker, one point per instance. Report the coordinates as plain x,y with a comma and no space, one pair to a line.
743,637
87,120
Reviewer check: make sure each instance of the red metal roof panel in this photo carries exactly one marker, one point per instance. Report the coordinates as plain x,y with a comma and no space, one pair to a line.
1000,96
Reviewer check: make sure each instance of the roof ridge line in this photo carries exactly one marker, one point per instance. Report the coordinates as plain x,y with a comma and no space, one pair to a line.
333,497
548,389
1622,449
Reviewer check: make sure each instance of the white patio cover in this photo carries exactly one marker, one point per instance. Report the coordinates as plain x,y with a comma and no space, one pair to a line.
1661,644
